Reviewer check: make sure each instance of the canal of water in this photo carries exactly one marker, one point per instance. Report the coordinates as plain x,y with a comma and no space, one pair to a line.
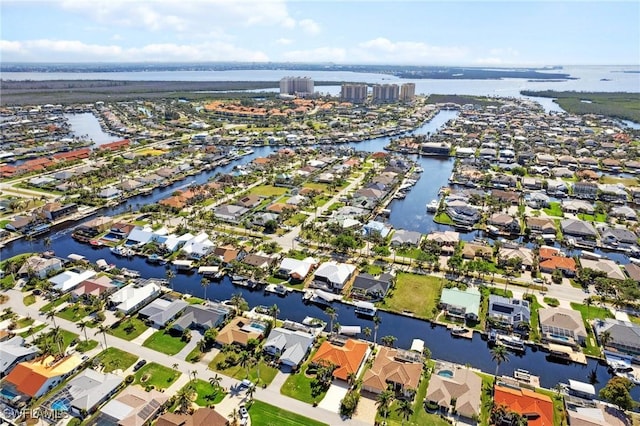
408,213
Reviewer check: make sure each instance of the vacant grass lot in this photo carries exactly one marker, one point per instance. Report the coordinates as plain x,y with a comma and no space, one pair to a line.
268,190
239,372
75,312
263,414
163,341
588,314
554,210
156,375
128,329
116,359
86,345
55,303
206,394
418,294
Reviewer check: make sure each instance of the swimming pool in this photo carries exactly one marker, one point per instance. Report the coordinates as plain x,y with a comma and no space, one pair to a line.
446,373
59,405
7,393
558,337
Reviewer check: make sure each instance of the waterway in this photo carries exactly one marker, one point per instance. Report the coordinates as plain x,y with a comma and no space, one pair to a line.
86,126
409,214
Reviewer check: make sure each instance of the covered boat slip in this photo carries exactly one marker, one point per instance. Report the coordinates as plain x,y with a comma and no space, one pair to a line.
208,270
566,351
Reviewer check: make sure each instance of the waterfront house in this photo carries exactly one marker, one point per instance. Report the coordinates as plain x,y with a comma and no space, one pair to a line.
228,254
289,346
578,228
447,240
461,305
132,407
230,213
115,146
98,287
346,356
624,212
523,254
68,280
463,215
504,223
132,297
612,193
566,265
473,250
110,193
161,311
633,271
295,269
86,391
258,261
368,287
198,246
564,326
96,225
39,266
22,223
595,413
625,335
55,211
541,225
617,236
13,352
32,379
508,312
577,206
507,197
240,330
607,266
457,390
333,275
535,407
557,188
376,228
202,318
398,368
402,237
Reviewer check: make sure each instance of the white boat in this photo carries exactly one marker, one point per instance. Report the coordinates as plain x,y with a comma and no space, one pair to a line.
314,322
459,330
366,309
349,330
121,251
432,206
278,289
511,342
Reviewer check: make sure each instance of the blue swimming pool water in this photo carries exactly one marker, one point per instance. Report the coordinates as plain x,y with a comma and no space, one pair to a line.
557,337
59,406
7,393
446,373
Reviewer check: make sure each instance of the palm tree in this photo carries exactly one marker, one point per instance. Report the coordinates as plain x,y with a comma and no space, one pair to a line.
605,338
233,415
237,300
383,402
52,316
215,381
205,283
499,355
183,398
376,323
404,409
588,302
102,329
332,316
366,331
175,366
273,311
245,360
170,276
251,390
82,325
58,338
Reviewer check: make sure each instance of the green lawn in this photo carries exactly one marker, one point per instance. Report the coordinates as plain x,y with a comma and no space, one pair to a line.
418,294
322,187
67,338
634,319
206,394
195,301
86,345
372,269
593,312
298,386
116,359
600,217
534,306
194,356
75,312
263,414
29,300
128,329
443,218
296,219
24,322
268,190
156,375
334,206
163,341
554,209
267,374
35,329
55,303
409,252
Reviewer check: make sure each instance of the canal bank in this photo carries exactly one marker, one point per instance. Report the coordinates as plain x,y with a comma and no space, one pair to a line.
464,351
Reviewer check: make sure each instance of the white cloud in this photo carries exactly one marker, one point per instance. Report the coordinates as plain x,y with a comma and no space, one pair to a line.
309,26
284,41
320,54
410,52
70,50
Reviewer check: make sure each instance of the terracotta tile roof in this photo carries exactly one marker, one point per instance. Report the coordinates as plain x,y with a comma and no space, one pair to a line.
29,377
537,408
348,357
113,146
559,262
387,369
548,252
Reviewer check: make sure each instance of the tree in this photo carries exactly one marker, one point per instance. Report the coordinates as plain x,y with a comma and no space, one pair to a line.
366,331
233,415
102,329
205,283
499,355
389,340
332,316
215,381
251,390
376,323
404,409
238,301
616,391
58,338
170,276
605,339
52,316
273,311
244,360
183,398
82,325
383,402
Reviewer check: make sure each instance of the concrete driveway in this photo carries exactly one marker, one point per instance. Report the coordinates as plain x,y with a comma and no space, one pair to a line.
335,394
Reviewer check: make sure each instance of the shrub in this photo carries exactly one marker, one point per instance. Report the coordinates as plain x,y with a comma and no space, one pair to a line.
349,403
129,379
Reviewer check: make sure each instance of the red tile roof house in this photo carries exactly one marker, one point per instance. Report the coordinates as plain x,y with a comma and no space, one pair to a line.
537,408
115,146
347,358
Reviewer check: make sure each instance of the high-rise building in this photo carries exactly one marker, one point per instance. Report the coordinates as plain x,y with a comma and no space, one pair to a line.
385,93
407,92
354,93
296,86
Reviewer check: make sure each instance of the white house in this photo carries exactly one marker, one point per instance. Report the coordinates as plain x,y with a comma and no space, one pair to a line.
335,275
296,269
198,246
130,298
68,280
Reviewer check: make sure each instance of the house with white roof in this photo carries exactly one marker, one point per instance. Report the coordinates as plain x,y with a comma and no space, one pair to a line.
13,352
333,275
130,298
161,311
198,246
68,280
291,346
296,269
86,391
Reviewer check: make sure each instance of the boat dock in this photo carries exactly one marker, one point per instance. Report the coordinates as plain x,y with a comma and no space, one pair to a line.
456,331
566,352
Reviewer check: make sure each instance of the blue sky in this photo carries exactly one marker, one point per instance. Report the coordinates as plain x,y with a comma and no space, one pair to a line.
416,32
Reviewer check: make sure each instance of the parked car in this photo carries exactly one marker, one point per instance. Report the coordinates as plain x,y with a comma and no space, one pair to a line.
243,412
246,383
139,364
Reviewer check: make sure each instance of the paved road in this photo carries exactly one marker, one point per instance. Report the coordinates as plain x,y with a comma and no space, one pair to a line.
269,395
